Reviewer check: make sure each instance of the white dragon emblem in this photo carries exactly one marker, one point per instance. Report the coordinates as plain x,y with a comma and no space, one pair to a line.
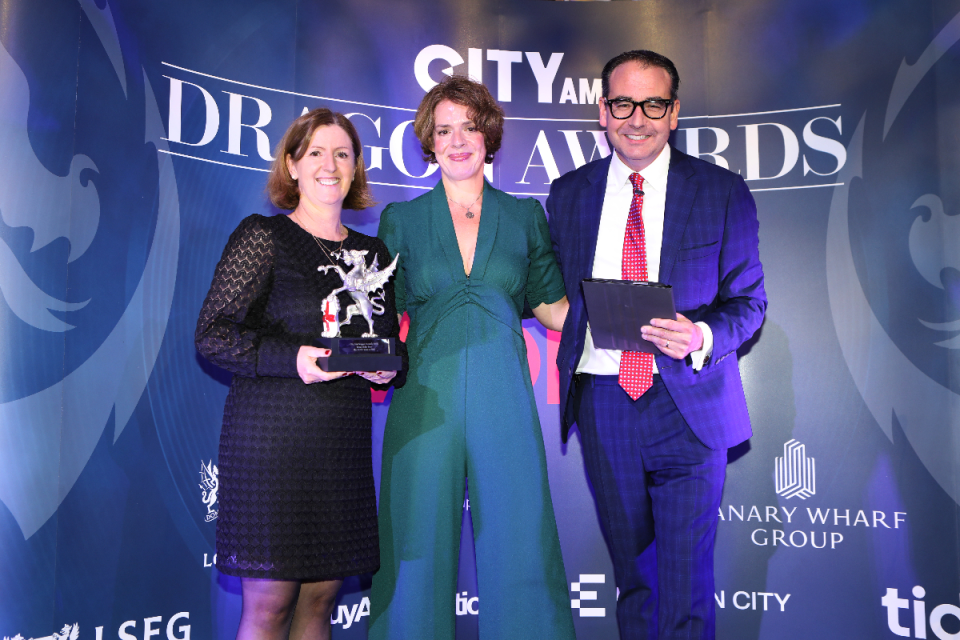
209,485
69,632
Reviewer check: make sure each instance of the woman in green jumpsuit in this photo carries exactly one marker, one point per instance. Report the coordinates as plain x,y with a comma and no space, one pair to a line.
469,257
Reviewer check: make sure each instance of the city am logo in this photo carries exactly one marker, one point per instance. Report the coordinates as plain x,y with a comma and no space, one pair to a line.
209,485
795,473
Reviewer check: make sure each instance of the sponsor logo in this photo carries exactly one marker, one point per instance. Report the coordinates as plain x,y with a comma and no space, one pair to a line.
69,632
753,601
893,603
588,595
794,476
779,536
794,473
347,614
544,73
177,627
467,605
209,485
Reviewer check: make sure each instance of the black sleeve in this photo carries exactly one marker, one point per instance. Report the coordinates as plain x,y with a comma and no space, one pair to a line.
227,330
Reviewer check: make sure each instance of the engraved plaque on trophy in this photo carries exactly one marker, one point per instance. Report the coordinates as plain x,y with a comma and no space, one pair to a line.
369,352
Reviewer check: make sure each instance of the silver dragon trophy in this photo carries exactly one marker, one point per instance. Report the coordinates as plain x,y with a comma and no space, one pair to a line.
365,286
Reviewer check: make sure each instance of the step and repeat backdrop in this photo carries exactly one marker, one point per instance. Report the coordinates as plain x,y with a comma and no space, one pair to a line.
135,135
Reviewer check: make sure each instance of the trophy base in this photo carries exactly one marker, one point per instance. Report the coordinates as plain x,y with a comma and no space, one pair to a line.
360,354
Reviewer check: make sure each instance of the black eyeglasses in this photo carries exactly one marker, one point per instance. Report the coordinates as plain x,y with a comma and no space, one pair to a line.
623,108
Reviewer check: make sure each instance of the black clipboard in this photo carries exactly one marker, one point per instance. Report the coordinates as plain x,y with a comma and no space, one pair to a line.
617,309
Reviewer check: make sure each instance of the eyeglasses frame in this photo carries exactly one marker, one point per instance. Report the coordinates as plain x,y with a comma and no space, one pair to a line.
668,102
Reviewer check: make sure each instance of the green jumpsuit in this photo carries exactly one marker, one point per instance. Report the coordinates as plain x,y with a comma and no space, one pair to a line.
468,410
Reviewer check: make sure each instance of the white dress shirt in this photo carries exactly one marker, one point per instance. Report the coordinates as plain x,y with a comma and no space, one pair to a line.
608,259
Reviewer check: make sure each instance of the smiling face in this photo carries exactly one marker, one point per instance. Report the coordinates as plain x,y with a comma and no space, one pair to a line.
325,172
457,143
638,140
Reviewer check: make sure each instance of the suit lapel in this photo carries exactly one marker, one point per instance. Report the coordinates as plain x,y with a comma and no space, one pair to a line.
591,206
681,193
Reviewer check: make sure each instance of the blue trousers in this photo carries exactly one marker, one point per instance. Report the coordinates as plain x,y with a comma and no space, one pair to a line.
658,491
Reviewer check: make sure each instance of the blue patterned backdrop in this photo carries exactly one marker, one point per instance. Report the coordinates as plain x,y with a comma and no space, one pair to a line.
135,135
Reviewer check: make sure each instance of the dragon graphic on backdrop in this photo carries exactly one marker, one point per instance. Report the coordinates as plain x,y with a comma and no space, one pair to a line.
53,207
47,437
901,382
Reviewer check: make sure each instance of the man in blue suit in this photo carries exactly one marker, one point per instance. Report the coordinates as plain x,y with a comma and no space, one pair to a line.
655,445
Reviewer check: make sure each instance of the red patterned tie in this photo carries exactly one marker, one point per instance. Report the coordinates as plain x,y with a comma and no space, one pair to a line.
636,369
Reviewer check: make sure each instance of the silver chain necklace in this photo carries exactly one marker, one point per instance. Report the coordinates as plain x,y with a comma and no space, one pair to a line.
467,211
330,256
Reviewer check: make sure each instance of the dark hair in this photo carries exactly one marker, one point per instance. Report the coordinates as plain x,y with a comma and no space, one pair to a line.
646,59
483,109
283,189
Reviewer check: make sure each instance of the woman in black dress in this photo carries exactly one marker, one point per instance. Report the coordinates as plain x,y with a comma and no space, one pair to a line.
298,507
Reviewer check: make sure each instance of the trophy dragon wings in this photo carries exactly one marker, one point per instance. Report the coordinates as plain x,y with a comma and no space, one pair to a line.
365,286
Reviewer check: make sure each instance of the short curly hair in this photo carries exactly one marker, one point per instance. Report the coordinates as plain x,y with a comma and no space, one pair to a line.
284,191
483,109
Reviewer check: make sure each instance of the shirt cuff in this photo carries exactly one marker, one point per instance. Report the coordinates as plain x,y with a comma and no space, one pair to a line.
701,355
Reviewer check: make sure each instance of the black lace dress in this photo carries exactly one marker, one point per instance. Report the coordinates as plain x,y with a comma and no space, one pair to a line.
297,497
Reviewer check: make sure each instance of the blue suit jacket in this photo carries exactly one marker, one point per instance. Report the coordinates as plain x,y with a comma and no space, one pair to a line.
709,255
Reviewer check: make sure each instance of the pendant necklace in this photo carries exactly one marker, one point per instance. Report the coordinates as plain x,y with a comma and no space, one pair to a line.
329,255
468,213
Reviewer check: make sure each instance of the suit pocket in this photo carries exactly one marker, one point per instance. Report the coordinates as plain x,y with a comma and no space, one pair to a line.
696,252
695,276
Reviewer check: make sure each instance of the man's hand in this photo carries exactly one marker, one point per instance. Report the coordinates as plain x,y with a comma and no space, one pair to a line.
674,338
